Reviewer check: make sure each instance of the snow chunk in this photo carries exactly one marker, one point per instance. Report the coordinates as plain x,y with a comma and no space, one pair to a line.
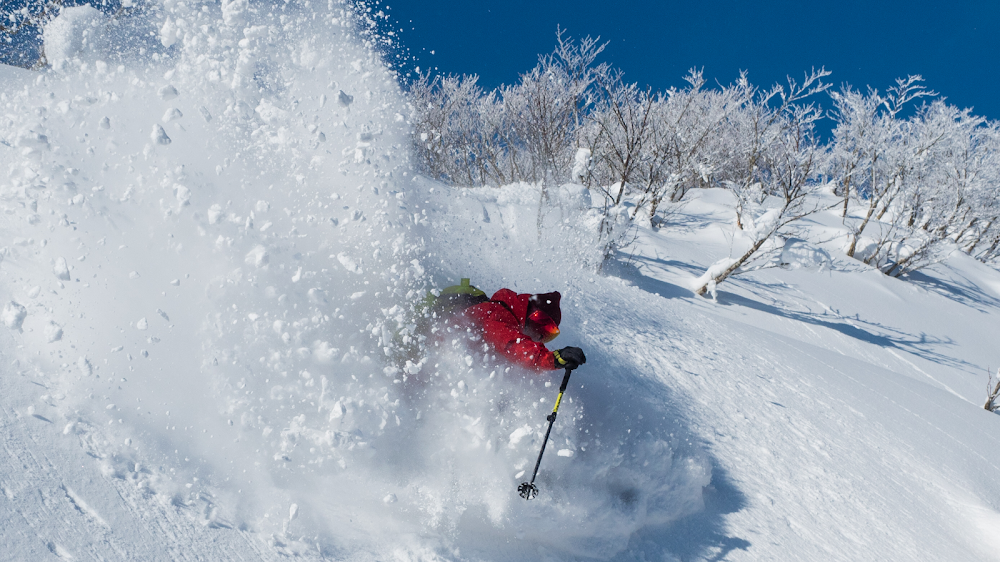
167,92
53,332
168,33
13,315
182,194
565,453
316,296
269,112
33,140
344,98
84,366
322,352
172,114
348,263
519,434
257,257
159,136
77,32
61,269
142,324
234,12
214,212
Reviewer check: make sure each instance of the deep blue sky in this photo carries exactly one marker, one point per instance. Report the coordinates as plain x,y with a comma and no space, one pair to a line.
955,46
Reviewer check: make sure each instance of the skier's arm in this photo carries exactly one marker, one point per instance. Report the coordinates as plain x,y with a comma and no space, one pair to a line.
517,347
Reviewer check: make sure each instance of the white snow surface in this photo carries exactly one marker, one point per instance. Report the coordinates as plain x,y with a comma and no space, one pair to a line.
199,333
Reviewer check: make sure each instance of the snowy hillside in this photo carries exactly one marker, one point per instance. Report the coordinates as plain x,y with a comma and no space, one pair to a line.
210,244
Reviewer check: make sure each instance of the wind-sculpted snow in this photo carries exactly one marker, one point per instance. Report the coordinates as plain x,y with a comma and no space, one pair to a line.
212,242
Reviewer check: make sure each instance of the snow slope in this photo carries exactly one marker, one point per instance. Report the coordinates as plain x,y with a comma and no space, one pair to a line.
840,410
211,240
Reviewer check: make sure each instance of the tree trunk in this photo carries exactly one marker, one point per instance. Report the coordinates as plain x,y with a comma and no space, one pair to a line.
857,233
736,265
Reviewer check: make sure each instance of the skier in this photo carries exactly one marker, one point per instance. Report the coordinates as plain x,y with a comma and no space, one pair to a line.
516,325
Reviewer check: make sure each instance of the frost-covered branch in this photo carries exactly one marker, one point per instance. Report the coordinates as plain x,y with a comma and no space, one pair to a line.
992,393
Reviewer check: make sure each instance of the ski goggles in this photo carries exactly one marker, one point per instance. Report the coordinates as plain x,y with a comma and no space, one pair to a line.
544,326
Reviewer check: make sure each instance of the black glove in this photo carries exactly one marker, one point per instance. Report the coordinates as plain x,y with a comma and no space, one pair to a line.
569,358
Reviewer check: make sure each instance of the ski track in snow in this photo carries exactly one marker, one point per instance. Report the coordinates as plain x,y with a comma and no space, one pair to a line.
45,478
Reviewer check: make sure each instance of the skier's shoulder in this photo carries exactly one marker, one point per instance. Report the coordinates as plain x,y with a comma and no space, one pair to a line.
501,307
516,303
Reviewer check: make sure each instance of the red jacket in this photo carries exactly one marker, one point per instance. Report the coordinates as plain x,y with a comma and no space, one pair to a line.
501,320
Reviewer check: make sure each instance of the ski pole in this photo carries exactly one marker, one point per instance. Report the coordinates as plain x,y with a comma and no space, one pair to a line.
528,490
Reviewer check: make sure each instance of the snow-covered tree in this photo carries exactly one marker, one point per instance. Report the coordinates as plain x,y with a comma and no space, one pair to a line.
869,151
522,132
914,187
776,163
688,142
449,131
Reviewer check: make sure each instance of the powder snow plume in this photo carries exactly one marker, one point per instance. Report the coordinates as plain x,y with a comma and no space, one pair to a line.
211,239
